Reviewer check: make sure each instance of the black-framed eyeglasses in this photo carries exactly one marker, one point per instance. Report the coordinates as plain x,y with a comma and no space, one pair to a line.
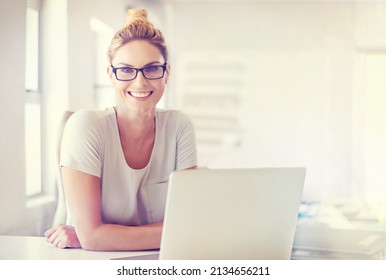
152,72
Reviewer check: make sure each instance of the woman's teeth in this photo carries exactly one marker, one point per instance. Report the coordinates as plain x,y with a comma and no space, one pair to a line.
140,94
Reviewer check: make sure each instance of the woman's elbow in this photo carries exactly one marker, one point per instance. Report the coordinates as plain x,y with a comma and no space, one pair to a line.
89,243
88,239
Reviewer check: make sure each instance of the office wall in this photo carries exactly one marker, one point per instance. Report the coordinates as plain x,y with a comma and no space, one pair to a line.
12,54
302,64
295,108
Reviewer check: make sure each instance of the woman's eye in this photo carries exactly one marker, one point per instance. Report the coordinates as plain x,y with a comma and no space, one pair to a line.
127,70
151,69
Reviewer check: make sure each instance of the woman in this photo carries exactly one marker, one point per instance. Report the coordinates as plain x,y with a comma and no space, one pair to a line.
116,163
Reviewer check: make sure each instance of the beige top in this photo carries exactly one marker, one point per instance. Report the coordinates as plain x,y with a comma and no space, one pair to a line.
91,144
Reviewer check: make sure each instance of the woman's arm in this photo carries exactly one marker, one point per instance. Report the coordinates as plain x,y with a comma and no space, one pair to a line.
83,196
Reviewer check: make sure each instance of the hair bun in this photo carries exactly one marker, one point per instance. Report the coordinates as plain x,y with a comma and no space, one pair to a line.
134,15
137,27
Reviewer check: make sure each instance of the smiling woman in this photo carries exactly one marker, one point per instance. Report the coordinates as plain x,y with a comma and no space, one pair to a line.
116,162
146,56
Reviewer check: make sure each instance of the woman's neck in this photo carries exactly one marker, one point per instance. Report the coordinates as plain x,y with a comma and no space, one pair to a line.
137,125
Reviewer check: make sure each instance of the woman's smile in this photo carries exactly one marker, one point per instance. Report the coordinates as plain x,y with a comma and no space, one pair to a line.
140,94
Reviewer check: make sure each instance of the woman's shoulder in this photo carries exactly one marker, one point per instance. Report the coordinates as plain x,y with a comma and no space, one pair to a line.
86,119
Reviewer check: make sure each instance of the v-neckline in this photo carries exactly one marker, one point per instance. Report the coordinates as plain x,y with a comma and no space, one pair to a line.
122,154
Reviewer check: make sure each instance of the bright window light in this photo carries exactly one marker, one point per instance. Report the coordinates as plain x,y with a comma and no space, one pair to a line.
33,148
33,129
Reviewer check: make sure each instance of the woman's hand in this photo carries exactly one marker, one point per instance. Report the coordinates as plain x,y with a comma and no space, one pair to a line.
62,236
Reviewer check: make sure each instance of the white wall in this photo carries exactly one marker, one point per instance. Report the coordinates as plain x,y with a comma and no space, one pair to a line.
12,54
301,61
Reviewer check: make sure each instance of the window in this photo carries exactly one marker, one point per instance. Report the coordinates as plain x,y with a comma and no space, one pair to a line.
33,148
33,132
369,135
374,132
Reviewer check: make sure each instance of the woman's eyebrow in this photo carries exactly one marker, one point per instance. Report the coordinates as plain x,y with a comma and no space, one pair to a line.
124,65
132,66
153,62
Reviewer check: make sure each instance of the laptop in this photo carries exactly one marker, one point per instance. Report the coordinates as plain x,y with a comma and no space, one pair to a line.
229,214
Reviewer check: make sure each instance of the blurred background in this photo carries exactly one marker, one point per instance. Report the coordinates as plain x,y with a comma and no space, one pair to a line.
266,83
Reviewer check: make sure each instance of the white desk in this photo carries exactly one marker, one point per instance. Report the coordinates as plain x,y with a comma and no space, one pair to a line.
37,248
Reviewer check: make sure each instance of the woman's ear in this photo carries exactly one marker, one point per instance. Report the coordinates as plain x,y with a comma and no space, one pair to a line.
110,73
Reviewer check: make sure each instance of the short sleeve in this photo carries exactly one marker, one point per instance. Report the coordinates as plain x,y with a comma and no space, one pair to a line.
81,143
186,153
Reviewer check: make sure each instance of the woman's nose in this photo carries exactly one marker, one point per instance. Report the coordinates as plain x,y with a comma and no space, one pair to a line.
140,79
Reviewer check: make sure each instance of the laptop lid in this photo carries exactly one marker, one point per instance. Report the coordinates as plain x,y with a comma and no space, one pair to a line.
231,213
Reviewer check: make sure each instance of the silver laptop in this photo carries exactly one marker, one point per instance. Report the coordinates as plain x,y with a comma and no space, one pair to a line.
231,213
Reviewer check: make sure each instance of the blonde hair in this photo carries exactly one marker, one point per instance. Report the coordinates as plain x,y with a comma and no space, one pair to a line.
137,27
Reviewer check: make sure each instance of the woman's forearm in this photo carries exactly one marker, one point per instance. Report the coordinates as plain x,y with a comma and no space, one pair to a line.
111,237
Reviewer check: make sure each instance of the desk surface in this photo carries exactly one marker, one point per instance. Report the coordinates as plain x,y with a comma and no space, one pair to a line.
37,248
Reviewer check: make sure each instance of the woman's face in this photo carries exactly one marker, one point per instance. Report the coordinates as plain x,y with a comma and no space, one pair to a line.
140,94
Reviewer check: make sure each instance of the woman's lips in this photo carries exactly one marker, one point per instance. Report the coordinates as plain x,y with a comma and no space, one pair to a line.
140,94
